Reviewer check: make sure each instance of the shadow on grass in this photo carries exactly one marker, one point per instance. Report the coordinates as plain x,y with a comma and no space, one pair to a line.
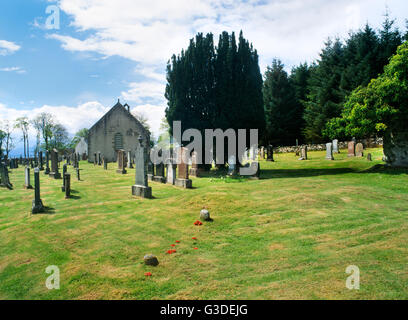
47,210
382,168
299,173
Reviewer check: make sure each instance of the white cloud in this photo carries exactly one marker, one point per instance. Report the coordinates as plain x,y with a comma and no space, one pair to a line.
154,115
7,47
13,69
82,116
145,91
150,31
73,118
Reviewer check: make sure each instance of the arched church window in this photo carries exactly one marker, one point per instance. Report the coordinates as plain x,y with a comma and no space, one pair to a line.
118,141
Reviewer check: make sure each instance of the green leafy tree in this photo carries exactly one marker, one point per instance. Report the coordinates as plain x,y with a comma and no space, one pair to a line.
282,111
381,109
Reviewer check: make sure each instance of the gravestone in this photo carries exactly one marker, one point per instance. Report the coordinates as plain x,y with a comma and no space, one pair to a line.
359,150
257,168
150,170
303,153
351,149
171,172
105,163
262,153
95,159
84,156
64,172
194,171
78,174
141,187
27,184
129,160
183,179
269,153
4,177
159,176
75,160
54,165
99,159
329,151
67,183
336,146
47,162
37,206
369,157
121,162
41,161
232,165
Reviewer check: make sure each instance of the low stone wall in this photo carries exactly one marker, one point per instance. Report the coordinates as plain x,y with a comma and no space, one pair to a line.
367,143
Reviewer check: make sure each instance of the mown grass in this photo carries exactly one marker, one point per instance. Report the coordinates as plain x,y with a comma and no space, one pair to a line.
289,235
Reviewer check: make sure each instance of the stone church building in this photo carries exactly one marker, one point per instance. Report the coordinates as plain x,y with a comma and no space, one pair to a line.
117,130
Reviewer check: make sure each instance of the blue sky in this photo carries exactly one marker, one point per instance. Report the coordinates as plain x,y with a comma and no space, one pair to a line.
110,49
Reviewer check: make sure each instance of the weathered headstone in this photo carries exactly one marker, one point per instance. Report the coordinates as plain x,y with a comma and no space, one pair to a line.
78,174
171,173
41,161
359,150
369,157
105,163
37,206
351,149
95,159
121,162
47,163
183,179
269,153
129,160
336,146
159,176
303,153
232,165
329,151
54,165
4,177
141,187
64,172
27,184
194,170
67,178
99,159
150,170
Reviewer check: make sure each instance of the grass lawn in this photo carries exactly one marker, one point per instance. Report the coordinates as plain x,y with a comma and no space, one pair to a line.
289,235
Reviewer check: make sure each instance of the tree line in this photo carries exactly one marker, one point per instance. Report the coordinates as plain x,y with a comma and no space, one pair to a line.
49,134
221,86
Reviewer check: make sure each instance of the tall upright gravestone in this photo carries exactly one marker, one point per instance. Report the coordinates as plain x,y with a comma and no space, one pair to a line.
351,149
269,153
336,146
141,187
194,170
37,203
359,150
129,160
329,151
4,177
121,162
47,162
171,172
41,161
54,165
64,172
183,178
27,184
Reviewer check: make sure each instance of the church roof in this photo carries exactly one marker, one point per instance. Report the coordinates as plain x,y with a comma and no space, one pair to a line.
119,106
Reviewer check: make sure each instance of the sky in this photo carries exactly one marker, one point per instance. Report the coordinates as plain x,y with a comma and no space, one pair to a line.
75,58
